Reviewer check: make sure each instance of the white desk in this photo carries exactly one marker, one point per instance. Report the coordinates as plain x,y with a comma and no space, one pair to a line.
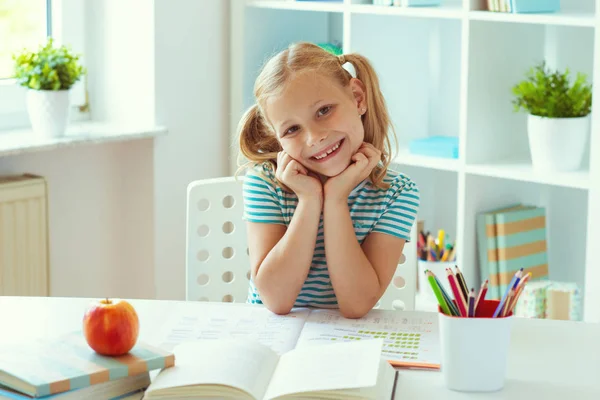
548,359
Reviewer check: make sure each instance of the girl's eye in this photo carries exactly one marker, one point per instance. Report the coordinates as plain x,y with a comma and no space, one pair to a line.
291,130
324,111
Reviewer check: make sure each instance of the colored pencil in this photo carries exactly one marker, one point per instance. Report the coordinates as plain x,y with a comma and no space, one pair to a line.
472,303
460,301
438,293
509,287
451,304
462,283
481,295
511,294
518,292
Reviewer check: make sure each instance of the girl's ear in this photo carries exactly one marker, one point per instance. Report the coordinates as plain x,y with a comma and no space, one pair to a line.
360,94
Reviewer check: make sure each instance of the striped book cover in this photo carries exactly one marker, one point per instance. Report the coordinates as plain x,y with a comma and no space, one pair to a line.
521,241
57,365
487,248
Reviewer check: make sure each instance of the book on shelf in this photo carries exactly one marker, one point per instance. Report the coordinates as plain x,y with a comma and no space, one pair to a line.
66,367
246,369
521,243
508,239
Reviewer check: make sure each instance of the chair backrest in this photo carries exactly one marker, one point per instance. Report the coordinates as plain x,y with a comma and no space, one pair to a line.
217,262
400,294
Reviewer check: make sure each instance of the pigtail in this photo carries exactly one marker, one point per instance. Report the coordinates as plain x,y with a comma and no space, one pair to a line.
376,120
258,144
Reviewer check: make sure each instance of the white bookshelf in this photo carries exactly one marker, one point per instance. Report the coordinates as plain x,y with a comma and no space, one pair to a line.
448,70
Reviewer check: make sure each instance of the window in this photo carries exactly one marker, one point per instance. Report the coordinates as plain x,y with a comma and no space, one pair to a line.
27,24
23,23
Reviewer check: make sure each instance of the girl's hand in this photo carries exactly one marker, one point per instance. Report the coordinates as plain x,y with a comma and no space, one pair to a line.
363,162
297,178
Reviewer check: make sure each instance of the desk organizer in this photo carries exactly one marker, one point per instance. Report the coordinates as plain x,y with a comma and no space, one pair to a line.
524,6
474,351
435,146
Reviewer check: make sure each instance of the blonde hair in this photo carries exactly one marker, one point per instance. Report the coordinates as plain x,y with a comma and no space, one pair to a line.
258,142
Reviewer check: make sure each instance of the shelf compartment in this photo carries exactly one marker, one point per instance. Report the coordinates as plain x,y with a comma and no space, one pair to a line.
495,132
422,93
566,221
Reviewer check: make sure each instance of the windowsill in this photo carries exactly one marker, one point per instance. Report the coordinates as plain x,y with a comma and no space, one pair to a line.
15,142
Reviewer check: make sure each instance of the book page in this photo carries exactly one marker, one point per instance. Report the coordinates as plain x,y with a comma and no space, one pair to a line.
242,364
327,367
196,320
410,338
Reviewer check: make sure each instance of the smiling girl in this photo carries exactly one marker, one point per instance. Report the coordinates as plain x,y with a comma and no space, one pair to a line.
327,219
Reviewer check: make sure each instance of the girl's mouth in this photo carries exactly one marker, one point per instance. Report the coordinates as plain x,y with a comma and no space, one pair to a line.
328,153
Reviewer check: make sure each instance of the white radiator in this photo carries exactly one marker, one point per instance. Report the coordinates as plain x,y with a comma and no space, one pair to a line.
24,264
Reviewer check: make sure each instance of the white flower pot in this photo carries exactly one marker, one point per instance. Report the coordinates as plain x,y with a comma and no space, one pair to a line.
48,111
557,144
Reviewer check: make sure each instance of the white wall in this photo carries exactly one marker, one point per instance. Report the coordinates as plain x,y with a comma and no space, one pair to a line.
117,211
87,202
192,71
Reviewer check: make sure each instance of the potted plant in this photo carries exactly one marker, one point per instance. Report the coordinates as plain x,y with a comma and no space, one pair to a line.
559,117
48,74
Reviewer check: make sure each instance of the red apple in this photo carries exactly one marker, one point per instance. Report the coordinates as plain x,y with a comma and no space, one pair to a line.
111,327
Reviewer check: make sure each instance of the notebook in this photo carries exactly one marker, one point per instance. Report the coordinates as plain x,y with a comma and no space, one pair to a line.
246,369
410,338
521,243
487,248
66,363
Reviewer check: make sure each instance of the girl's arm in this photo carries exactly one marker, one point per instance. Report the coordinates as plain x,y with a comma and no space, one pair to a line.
280,257
359,275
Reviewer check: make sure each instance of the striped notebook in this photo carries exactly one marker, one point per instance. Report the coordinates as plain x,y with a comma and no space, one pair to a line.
521,241
488,249
67,363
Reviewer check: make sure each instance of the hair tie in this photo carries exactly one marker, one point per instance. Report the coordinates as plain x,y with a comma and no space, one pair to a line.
342,59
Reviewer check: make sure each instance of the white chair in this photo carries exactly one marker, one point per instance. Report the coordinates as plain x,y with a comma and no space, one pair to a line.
217,262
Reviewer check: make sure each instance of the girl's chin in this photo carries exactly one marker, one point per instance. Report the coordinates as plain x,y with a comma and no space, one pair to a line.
330,171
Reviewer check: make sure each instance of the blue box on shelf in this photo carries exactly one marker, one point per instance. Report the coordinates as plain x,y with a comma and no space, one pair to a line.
533,6
435,146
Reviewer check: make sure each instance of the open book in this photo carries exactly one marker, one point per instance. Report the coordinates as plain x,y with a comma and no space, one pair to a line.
244,369
410,338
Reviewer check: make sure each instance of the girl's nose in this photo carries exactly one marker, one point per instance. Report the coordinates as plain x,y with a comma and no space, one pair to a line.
316,137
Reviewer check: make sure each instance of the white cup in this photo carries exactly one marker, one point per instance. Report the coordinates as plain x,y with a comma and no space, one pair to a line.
474,351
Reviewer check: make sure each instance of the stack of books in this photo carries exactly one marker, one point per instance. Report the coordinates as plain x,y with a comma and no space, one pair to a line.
66,367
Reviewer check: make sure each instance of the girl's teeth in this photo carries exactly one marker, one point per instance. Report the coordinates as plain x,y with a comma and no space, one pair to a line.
325,154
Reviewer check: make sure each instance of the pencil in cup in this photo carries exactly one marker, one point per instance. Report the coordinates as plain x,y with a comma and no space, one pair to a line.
458,297
510,297
438,293
473,305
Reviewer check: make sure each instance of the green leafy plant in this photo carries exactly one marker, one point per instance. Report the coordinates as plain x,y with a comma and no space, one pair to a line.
548,93
49,68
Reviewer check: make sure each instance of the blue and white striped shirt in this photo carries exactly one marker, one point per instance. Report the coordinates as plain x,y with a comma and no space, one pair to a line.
392,211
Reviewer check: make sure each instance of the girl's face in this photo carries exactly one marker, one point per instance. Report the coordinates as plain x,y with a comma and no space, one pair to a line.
318,122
